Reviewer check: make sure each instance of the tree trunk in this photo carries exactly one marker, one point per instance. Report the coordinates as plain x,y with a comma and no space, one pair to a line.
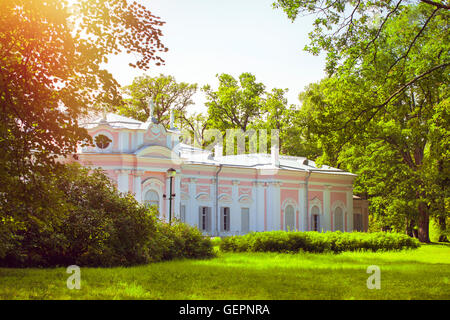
409,230
442,229
424,222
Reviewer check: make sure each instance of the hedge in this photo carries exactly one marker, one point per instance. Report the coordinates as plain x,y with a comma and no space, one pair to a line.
295,241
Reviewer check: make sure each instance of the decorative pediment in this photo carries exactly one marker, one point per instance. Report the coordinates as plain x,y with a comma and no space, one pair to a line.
245,191
315,202
159,152
153,183
155,134
289,201
338,203
245,199
225,198
203,196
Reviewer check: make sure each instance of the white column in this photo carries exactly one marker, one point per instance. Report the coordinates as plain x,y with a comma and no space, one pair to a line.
124,141
259,206
235,210
302,208
269,205
253,211
273,206
277,206
139,139
349,215
215,215
122,180
326,221
192,208
138,185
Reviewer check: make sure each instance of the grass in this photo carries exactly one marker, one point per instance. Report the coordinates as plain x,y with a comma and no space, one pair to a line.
422,273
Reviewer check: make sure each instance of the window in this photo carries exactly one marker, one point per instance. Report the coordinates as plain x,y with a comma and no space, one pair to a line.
152,199
102,141
289,218
205,219
357,222
245,220
225,219
338,219
183,213
315,218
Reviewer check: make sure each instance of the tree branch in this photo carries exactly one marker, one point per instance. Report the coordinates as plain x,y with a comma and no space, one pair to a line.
414,40
436,4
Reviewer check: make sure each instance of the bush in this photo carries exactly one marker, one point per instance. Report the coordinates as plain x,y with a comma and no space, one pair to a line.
92,224
216,241
282,241
179,240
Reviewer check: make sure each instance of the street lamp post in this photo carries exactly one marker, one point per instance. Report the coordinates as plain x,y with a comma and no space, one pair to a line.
171,173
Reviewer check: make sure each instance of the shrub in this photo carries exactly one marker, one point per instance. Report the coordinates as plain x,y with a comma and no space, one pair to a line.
179,240
294,241
216,241
92,224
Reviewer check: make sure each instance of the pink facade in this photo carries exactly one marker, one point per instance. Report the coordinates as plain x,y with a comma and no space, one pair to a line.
221,195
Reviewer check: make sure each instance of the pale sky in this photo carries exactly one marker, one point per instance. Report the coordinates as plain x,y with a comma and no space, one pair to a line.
209,37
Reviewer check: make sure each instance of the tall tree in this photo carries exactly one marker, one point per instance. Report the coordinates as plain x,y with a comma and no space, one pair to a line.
295,138
389,138
166,93
50,73
236,103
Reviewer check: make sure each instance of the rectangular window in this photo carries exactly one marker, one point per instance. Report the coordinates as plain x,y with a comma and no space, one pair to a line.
225,218
205,219
245,220
357,222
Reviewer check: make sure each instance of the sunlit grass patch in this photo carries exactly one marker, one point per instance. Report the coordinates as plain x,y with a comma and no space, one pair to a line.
421,273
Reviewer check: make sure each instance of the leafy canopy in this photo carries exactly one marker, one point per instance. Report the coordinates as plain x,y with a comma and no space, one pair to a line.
51,73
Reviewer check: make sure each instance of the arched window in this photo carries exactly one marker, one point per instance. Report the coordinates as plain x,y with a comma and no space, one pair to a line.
338,219
315,218
289,218
152,199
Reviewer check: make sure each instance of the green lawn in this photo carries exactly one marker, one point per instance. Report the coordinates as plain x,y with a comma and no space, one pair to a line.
423,273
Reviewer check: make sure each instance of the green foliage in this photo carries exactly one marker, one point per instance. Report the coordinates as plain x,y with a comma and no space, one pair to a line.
282,241
245,104
167,94
236,103
348,30
93,224
407,275
180,240
385,119
51,74
440,230
216,241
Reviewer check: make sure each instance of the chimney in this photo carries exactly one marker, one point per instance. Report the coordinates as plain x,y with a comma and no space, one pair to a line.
218,150
275,155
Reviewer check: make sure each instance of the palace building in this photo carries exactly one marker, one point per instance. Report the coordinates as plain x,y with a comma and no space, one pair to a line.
221,195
